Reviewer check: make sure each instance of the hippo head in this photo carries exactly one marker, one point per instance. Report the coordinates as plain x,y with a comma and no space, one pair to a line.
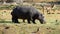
41,19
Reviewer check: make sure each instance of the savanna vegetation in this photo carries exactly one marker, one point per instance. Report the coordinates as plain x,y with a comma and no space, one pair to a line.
52,19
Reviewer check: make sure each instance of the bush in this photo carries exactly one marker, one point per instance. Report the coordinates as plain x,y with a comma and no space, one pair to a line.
7,7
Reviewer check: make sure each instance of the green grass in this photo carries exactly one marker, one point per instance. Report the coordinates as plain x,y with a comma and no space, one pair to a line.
7,7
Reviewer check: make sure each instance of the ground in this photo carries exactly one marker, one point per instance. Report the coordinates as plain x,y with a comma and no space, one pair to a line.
9,28
52,25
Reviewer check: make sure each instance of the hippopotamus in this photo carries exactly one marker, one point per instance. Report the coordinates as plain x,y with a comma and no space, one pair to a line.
26,12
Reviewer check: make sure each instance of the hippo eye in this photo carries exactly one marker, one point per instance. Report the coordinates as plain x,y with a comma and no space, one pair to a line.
42,16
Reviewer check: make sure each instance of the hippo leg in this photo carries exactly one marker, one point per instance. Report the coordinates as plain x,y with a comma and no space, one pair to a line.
33,21
28,21
15,20
29,17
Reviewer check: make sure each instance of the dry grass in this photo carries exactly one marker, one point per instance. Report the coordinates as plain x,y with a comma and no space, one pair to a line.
29,28
51,27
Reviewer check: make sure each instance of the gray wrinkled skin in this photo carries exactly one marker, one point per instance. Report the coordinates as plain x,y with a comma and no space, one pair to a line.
26,12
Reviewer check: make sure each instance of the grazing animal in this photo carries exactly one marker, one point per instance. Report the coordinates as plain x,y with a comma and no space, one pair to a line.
26,12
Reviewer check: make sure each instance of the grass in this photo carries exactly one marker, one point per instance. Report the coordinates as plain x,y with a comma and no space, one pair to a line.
7,7
52,25
29,28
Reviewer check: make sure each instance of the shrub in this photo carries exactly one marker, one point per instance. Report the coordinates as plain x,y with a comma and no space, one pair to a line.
7,7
